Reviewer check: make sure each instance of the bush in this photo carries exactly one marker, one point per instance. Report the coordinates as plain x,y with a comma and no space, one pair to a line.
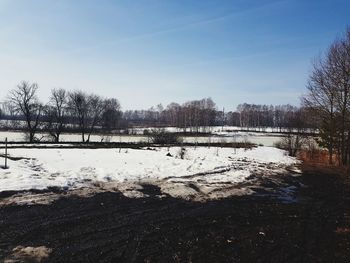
291,143
160,136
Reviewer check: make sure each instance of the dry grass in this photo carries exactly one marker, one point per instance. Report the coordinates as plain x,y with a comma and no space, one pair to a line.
318,161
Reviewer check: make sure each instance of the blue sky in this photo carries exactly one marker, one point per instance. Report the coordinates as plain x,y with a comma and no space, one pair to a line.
150,51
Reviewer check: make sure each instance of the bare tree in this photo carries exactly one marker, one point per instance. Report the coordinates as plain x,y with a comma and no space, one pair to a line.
321,98
329,96
87,110
25,102
111,114
95,109
339,66
78,107
56,113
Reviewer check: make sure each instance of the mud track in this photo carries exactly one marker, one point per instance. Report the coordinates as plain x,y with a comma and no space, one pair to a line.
109,227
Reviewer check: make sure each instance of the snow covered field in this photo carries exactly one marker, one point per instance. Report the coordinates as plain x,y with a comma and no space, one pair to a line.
202,168
253,137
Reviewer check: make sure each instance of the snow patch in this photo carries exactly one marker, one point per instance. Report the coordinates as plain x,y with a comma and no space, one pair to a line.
202,172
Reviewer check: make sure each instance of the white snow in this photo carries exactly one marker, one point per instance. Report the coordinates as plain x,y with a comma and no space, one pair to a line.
257,138
74,168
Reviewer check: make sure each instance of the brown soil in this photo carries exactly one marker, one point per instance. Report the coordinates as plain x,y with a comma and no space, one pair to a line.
109,227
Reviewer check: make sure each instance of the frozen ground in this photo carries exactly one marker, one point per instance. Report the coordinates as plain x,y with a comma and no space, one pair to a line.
203,173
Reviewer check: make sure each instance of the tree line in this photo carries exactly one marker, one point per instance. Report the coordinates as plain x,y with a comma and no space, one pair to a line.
73,110
281,117
200,115
78,111
196,115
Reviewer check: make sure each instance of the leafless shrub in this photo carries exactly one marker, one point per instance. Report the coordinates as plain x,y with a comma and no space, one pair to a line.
160,136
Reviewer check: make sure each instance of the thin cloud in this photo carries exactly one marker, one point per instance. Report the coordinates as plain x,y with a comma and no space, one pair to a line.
262,54
181,27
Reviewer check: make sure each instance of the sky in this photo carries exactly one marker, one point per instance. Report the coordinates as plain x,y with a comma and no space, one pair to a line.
146,52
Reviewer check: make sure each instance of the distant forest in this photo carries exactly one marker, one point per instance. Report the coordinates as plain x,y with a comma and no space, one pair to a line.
74,109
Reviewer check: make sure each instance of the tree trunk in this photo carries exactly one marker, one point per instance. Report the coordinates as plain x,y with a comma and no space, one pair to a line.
31,136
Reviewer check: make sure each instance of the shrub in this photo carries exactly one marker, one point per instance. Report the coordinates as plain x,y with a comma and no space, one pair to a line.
160,136
291,143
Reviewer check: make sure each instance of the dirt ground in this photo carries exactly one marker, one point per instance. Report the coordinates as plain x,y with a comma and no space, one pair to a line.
109,227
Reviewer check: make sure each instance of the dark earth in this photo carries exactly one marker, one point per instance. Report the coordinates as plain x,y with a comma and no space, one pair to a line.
109,227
